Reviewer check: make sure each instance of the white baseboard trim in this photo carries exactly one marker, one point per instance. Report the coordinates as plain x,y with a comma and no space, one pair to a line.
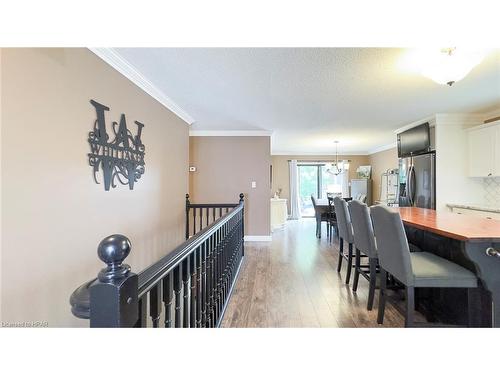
258,238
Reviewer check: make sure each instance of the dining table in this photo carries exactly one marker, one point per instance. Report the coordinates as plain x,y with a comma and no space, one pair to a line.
322,207
322,204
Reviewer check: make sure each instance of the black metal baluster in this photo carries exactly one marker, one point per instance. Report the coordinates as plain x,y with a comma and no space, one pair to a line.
209,282
220,211
142,321
219,282
208,214
217,274
194,221
192,269
199,276
223,271
215,277
212,280
155,304
201,218
206,282
177,292
168,294
187,216
213,213
225,275
185,288
227,263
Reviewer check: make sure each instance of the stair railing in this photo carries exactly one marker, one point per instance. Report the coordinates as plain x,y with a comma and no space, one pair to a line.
189,287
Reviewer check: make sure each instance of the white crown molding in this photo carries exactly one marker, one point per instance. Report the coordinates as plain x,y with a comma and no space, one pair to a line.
230,133
258,238
290,153
491,114
383,148
483,126
114,59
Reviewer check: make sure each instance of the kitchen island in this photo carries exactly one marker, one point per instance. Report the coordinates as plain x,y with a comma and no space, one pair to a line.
470,242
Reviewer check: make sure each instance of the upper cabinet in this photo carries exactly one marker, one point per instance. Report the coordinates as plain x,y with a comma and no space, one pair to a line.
484,150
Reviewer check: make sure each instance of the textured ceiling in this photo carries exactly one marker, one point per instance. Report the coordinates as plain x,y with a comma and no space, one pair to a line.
310,97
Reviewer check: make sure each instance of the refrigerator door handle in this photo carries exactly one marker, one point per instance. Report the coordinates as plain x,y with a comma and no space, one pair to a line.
408,187
405,191
411,185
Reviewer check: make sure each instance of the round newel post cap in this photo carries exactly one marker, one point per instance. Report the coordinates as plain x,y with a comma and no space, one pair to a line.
187,196
113,250
242,196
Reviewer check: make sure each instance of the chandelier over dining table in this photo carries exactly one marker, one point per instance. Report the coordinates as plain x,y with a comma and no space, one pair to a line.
338,166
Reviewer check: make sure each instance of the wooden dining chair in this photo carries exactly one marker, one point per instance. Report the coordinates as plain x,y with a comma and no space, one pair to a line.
320,217
332,219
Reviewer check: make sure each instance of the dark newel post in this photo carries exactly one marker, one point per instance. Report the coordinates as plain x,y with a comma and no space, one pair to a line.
187,216
114,295
242,202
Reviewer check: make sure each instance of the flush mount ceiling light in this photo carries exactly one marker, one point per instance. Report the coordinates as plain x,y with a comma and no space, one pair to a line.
338,166
449,65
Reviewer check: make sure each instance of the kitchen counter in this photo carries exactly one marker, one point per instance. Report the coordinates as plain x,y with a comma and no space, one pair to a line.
477,207
464,240
447,224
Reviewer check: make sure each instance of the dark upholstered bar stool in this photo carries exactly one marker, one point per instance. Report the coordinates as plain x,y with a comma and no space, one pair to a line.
364,242
344,227
414,270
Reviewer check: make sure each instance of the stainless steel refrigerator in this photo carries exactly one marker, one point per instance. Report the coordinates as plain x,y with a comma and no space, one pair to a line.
417,181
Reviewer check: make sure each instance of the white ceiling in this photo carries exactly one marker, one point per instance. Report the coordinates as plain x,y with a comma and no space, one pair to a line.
309,97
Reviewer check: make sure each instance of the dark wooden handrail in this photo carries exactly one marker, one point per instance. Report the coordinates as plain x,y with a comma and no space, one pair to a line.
197,278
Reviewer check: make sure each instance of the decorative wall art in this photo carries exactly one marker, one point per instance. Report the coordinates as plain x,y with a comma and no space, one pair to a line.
121,159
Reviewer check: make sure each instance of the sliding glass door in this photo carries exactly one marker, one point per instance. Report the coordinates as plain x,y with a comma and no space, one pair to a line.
316,181
309,184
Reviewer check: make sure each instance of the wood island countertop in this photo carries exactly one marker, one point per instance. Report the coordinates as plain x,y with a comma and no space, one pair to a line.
452,225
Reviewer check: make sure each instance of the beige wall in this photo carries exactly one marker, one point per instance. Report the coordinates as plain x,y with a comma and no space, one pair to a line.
53,214
281,177
381,162
226,167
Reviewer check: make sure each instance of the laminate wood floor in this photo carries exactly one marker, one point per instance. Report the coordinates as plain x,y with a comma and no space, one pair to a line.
293,282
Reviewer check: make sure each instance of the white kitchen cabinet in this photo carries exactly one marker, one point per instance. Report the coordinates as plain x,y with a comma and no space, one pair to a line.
484,150
279,213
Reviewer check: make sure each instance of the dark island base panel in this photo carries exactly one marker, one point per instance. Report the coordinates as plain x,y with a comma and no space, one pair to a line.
449,305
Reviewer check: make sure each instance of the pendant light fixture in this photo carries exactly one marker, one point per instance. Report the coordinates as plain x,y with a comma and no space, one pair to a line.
338,166
450,65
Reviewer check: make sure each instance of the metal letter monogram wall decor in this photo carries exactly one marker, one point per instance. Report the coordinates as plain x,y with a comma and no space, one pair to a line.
121,159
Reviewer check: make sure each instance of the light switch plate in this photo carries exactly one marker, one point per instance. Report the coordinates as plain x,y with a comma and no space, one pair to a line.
254,184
